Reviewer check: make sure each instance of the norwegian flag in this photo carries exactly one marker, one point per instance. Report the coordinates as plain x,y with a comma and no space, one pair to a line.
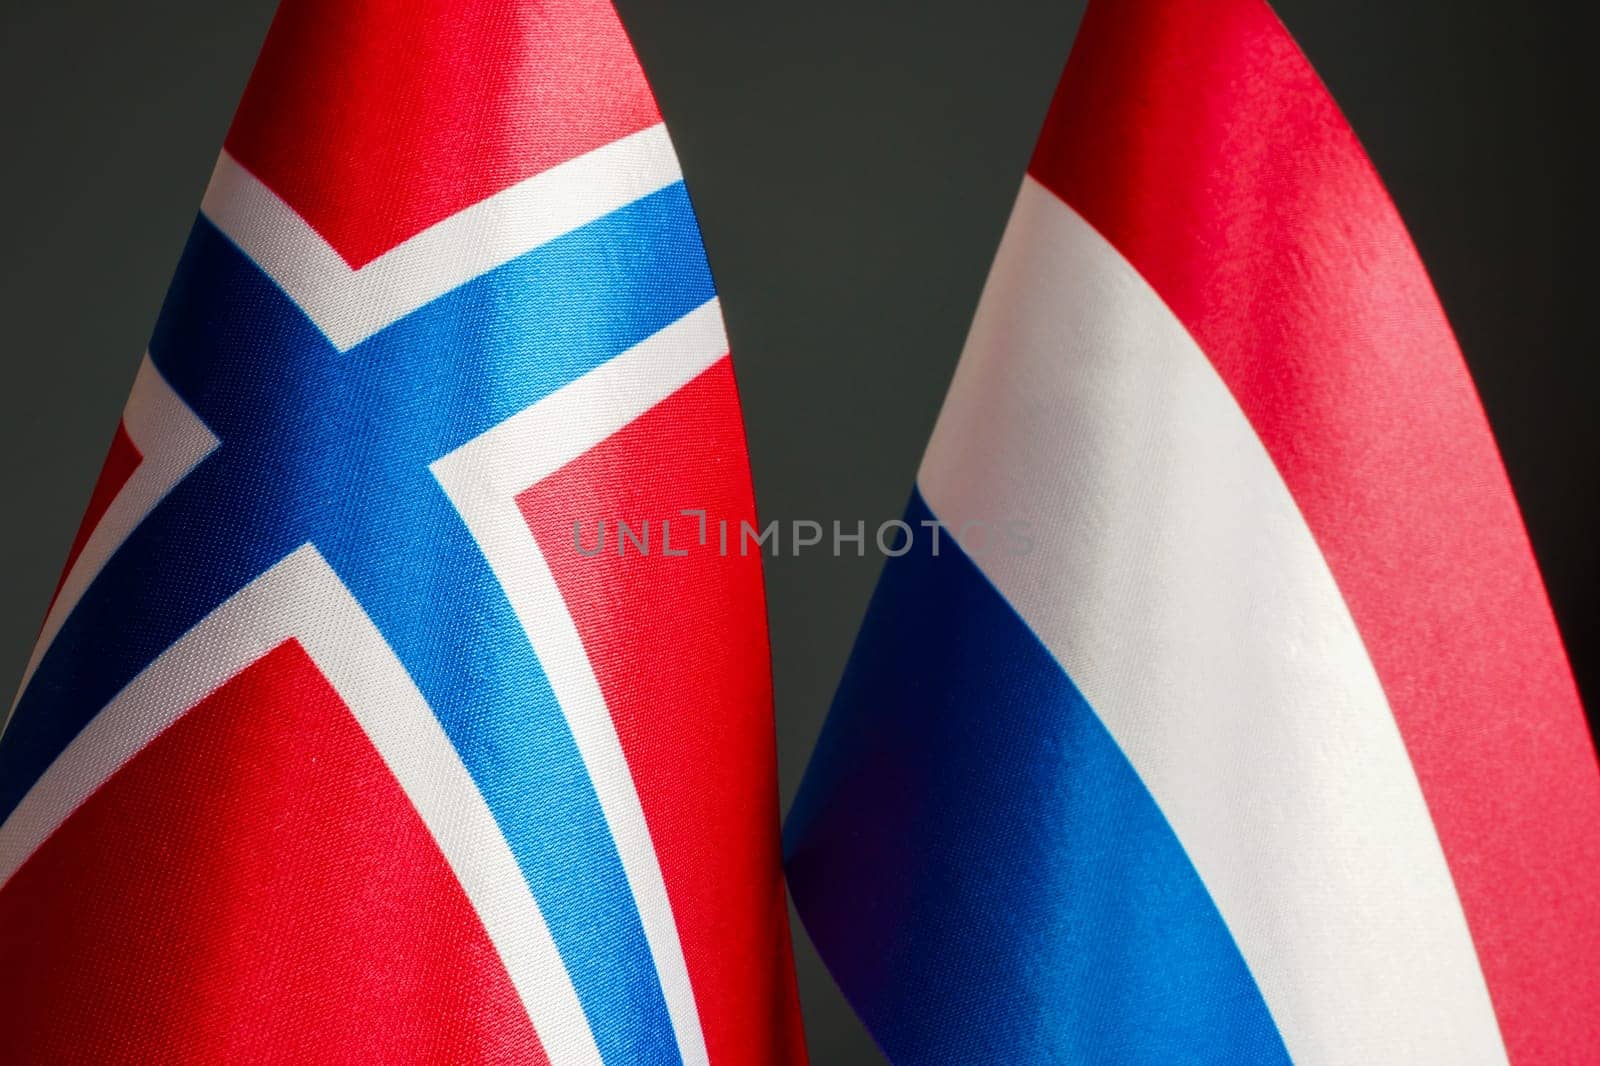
332,748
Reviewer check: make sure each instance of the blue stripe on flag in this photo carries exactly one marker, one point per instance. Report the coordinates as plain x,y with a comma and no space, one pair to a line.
980,865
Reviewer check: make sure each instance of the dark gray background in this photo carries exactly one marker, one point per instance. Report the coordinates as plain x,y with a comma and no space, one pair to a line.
852,164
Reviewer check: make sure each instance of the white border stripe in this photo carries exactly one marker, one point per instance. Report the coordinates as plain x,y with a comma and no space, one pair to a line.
483,478
302,598
172,441
350,305
1177,583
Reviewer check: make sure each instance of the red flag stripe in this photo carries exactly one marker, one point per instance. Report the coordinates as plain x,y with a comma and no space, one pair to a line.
1200,142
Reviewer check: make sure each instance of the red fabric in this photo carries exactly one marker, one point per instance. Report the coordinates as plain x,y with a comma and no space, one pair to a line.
375,119
317,919
1199,141
682,661
121,461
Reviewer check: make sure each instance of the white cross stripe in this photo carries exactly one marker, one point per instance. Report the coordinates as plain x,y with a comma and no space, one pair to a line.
483,478
172,441
351,304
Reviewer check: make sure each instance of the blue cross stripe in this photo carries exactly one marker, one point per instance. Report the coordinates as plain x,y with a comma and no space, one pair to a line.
333,448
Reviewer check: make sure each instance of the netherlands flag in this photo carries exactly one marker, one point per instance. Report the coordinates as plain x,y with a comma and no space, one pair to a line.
332,748
1260,745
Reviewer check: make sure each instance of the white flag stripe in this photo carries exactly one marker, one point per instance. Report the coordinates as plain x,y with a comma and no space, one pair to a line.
483,478
302,598
171,440
1175,580
349,304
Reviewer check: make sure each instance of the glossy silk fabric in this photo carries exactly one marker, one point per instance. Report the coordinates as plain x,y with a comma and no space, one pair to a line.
1262,745
334,747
